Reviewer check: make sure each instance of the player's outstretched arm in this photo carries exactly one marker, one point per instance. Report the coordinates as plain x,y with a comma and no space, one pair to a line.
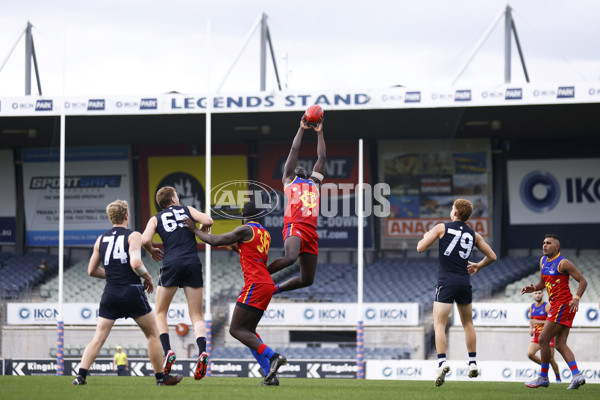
538,286
201,218
94,268
149,232
239,234
319,167
292,159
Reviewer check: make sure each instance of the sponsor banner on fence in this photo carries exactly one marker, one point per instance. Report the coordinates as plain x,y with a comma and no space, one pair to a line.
77,314
517,314
8,197
387,98
554,191
417,227
339,314
219,368
423,370
94,177
495,371
7,229
425,178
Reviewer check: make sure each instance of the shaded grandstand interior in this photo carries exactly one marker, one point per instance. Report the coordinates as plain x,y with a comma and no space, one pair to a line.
399,279
20,274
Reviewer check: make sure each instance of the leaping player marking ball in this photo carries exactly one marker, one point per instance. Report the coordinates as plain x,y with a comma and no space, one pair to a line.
300,239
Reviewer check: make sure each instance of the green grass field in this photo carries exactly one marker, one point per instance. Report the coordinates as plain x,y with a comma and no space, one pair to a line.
123,388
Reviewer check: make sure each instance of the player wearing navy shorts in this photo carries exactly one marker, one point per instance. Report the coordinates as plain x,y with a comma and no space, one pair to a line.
456,241
300,239
117,257
538,311
252,242
181,267
555,271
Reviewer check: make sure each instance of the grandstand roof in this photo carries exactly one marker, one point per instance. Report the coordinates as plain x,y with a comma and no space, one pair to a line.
505,122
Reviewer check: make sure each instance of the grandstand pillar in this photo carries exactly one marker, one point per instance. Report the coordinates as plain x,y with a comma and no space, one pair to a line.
263,52
507,43
28,57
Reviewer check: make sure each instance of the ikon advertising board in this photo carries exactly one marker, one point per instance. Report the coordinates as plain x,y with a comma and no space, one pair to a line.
517,314
554,191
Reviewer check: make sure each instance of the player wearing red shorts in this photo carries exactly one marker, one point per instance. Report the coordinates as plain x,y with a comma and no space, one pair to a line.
300,239
538,311
252,242
555,271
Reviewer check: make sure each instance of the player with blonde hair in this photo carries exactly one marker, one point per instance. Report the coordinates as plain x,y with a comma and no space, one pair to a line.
117,258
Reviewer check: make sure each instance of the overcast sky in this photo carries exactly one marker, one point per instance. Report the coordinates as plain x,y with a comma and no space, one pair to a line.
143,47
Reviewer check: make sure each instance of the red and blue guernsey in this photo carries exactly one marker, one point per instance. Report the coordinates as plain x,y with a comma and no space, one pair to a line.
258,284
303,202
253,255
557,283
538,313
559,293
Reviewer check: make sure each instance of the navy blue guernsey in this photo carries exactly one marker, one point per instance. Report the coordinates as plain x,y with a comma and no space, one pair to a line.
179,243
114,253
454,252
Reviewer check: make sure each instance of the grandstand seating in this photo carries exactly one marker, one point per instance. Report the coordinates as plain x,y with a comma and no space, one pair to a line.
226,280
389,279
394,279
19,274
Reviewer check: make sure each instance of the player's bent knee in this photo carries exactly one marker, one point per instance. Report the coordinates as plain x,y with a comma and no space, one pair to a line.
233,331
308,281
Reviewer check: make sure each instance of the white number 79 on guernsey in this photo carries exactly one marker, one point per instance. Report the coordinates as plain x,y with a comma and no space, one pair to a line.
466,242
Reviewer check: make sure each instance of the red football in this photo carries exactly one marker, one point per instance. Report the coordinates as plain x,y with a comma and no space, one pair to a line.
313,114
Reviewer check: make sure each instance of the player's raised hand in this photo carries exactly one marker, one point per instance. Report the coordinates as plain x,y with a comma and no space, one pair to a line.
204,228
319,127
303,124
190,224
528,289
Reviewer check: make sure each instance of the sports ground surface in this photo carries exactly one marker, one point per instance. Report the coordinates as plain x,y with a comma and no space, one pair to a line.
144,388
